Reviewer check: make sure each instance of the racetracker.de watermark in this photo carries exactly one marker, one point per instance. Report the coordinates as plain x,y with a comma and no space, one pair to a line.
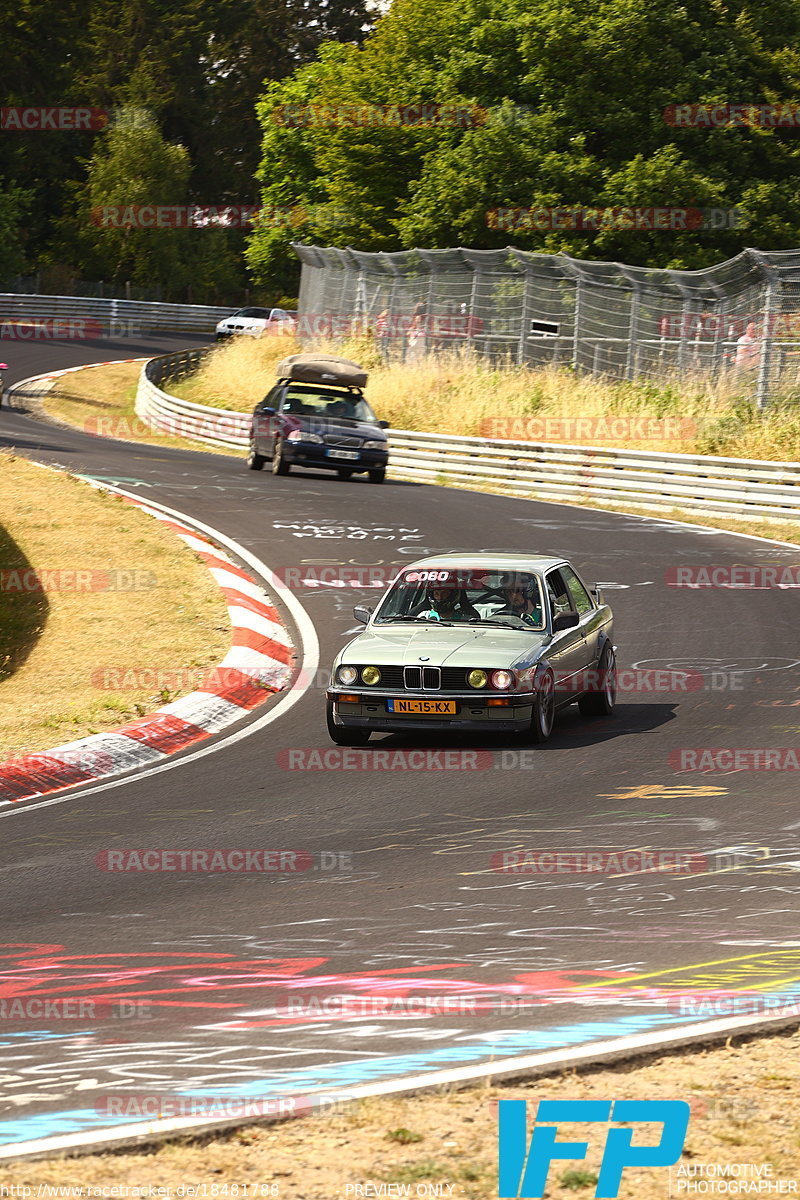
151,1105
134,428
738,576
630,681
582,219
210,861
41,1008
15,580
214,679
708,758
721,116
58,118
598,862
589,429
414,116
216,216
75,329
732,1004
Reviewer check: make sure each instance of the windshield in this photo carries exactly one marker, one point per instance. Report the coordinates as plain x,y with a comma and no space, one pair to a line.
347,406
481,597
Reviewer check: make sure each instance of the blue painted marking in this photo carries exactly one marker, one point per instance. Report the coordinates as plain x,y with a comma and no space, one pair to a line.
347,1074
25,1128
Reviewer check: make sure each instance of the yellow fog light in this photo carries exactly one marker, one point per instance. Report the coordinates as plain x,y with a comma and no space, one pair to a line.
371,675
477,679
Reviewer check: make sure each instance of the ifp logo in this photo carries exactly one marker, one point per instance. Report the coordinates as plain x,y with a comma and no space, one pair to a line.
523,1169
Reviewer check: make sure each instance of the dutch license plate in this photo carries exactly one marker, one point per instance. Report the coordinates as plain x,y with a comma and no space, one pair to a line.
427,708
351,455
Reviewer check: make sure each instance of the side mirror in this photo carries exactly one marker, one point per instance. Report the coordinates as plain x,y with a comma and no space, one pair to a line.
363,612
565,621
266,412
597,592
383,424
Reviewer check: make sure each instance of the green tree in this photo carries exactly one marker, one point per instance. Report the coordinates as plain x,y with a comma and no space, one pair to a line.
134,165
14,207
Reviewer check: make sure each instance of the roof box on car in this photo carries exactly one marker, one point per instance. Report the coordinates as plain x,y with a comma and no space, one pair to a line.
322,368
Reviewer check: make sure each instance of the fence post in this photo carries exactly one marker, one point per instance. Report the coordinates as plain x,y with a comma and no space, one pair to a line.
523,331
765,360
633,334
576,337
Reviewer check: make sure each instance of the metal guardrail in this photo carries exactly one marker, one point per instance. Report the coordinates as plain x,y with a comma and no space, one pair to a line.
548,470
108,317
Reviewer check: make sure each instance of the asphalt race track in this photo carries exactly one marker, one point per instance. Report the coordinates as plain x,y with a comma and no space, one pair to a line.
403,950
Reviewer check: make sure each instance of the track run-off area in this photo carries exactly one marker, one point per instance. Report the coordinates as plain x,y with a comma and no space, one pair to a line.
390,944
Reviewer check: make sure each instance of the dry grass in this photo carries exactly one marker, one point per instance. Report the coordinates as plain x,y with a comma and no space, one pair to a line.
100,400
740,1114
458,393
175,616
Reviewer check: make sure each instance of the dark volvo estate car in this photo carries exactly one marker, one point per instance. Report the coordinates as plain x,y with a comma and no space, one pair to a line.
316,416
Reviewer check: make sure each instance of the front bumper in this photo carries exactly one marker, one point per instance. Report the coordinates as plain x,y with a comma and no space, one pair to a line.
308,454
473,713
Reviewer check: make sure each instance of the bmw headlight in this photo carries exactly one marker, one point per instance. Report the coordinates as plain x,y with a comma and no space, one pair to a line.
371,675
299,435
347,675
374,444
502,680
477,679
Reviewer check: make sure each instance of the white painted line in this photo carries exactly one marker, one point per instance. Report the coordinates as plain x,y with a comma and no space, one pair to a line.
549,1061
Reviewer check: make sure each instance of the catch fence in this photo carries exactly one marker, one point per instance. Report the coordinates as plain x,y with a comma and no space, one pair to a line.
740,318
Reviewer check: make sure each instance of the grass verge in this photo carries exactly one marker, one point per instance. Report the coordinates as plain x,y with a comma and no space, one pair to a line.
740,1095
462,394
101,401
142,602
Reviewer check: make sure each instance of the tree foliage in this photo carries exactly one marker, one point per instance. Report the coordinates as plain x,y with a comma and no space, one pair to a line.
197,66
574,103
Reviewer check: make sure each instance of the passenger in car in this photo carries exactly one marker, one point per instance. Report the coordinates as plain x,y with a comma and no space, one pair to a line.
522,601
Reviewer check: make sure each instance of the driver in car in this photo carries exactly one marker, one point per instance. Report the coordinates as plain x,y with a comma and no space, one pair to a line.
521,601
447,603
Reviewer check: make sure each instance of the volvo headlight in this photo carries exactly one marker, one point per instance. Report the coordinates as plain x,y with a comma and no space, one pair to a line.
477,679
299,435
371,675
502,680
347,675
374,444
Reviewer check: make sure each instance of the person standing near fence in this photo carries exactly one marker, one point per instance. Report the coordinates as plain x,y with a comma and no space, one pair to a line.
382,331
748,348
416,334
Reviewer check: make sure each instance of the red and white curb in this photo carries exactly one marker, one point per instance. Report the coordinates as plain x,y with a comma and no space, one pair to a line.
259,663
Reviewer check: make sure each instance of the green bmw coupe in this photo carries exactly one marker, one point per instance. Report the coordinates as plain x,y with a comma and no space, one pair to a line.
483,641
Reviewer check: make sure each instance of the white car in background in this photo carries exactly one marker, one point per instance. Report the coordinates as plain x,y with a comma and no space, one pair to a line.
257,322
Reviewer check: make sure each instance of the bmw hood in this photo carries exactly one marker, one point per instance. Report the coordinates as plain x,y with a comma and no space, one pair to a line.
443,645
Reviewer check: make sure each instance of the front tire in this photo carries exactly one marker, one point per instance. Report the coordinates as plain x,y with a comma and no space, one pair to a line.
378,475
255,461
544,710
341,735
279,464
602,701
